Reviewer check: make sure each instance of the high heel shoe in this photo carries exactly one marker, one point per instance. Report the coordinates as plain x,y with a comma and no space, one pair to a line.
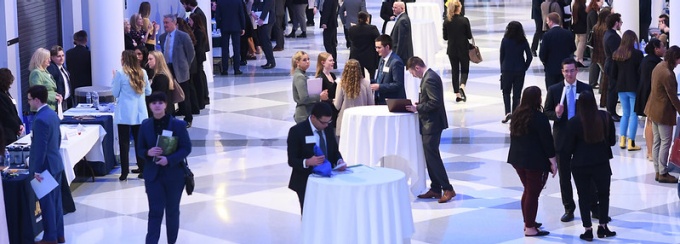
588,235
539,232
603,232
507,118
123,177
458,99
462,94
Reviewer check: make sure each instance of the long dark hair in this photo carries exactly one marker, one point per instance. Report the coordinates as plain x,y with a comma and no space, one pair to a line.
591,121
199,25
601,24
625,50
184,26
672,54
515,31
530,103
576,7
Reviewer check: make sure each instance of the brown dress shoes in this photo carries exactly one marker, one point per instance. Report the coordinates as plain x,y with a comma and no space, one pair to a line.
430,194
448,195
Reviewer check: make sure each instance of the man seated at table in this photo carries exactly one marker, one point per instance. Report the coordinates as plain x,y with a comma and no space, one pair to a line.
302,138
389,78
45,155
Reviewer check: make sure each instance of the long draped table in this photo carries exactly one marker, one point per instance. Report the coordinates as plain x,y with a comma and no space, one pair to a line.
368,205
374,136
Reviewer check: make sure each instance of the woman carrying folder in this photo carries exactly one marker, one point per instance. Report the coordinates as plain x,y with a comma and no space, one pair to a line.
163,171
303,100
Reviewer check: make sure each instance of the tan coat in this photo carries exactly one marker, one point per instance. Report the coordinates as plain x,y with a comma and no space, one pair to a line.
341,102
663,104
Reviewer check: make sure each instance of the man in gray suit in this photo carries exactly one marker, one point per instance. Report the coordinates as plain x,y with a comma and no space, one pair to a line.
349,15
401,33
264,30
179,52
432,116
45,156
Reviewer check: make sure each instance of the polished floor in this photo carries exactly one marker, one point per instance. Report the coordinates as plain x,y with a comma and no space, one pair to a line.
239,158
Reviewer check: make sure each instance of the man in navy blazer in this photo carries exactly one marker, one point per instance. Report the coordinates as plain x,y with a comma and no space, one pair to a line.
179,53
61,76
230,15
557,44
557,110
44,155
264,29
302,138
389,78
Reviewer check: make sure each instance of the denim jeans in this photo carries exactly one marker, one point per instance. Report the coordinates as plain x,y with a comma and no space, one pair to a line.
628,125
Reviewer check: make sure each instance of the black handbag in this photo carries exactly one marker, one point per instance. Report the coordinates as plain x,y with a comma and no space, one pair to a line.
189,183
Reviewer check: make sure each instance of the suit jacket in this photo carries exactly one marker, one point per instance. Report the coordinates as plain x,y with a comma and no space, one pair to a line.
401,37
533,149
386,10
392,82
268,8
79,65
362,38
304,102
43,78
513,55
611,42
557,44
10,120
663,105
230,15
329,14
349,12
183,54
590,154
299,150
45,143
553,99
59,79
431,111
147,139
130,105
457,32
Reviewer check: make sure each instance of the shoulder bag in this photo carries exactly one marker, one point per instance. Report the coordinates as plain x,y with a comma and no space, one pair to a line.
177,92
475,55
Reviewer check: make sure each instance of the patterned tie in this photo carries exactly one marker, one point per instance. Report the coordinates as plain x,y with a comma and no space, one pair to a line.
322,142
571,102
166,49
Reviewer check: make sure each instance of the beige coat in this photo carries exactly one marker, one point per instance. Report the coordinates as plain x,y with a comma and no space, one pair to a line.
341,102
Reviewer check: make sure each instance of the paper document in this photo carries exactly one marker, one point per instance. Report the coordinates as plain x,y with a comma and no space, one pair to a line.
564,94
60,111
313,86
46,186
339,166
259,14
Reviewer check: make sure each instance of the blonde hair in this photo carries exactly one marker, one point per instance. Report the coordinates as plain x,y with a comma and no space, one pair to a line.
38,59
296,58
133,22
319,62
162,68
351,78
134,72
453,8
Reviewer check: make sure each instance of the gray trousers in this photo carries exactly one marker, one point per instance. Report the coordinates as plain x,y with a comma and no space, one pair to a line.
662,144
299,17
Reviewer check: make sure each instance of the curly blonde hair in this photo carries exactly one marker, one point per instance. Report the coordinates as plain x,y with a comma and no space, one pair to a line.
351,79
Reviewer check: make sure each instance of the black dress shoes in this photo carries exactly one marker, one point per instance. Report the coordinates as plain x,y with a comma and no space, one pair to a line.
268,66
568,216
603,232
136,171
224,73
123,177
588,235
462,94
277,49
291,35
302,35
616,117
243,63
237,72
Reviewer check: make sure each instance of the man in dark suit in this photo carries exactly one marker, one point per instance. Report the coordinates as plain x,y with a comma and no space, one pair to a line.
179,52
230,15
560,109
538,21
386,13
432,116
329,24
79,61
389,78
363,35
401,33
46,158
302,138
280,27
61,76
349,15
557,45
192,7
612,40
264,30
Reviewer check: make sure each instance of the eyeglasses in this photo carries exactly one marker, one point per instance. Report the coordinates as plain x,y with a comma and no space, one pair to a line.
322,122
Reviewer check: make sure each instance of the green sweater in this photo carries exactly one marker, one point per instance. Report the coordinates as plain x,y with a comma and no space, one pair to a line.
44,78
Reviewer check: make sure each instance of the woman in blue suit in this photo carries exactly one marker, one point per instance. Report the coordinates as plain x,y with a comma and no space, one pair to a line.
163,171
130,87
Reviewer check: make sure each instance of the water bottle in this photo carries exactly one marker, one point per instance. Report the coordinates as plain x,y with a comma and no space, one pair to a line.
88,98
6,160
95,100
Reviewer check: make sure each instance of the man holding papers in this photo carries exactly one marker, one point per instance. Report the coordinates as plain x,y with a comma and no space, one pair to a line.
302,137
560,106
45,157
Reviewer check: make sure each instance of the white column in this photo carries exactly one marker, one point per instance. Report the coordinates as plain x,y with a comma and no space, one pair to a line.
630,15
208,64
675,23
105,39
657,9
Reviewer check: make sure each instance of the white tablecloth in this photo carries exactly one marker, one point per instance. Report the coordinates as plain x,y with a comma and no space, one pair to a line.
372,135
428,11
369,205
80,110
425,42
77,146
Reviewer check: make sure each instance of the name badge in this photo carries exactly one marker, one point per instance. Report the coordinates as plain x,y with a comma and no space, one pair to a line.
386,69
14,101
310,140
167,133
577,95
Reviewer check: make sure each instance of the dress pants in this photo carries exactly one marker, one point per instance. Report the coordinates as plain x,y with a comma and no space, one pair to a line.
612,96
604,83
512,82
594,74
599,177
435,166
348,42
580,46
551,79
663,135
564,172
538,35
460,69
184,106
278,30
264,33
301,198
235,36
52,212
299,17
309,13
533,182
124,144
164,194
330,43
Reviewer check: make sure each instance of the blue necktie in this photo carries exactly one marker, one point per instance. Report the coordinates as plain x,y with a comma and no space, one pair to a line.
571,102
378,78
